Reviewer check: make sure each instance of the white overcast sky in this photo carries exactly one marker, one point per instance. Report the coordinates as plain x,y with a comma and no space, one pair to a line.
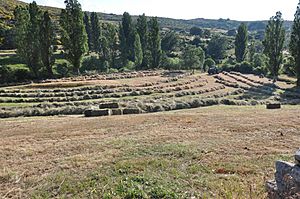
189,9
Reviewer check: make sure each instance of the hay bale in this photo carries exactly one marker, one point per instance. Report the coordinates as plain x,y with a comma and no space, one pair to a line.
112,105
116,112
95,113
274,106
128,111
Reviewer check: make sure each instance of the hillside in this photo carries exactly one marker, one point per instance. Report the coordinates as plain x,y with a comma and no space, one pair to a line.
7,7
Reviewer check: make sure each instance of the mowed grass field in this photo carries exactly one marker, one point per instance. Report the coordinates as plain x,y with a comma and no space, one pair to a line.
210,152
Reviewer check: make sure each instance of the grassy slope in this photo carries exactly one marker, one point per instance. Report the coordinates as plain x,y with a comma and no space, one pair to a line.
216,152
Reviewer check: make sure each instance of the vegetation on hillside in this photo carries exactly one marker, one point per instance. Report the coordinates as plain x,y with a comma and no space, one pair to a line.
94,44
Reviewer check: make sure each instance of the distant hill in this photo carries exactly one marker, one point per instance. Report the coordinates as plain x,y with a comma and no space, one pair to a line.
7,7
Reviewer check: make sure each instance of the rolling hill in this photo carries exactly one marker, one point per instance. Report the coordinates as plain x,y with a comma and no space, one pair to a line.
7,7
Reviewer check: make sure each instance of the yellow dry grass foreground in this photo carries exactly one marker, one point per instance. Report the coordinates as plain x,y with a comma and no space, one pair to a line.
215,152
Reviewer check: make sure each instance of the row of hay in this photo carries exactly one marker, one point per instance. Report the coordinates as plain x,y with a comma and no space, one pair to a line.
114,76
29,112
10,92
256,89
88,95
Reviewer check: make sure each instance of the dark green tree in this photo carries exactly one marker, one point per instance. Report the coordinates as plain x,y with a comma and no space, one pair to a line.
27,38
273,43
196,31
47,39
127,36
138,53
241,42
217,47
123,46
142,30
73,34
193,58
295,43
111,36
33,38
169,42
209,62
105,51
88,29
154,42
95,33
22,17
251,51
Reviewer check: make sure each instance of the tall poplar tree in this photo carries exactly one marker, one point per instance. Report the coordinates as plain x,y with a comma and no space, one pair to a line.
73,34
47,38
295,43
95,33
273,43
154,42
127,36
142,30
28,35
88,29
138,53
241,42
21,16
111,36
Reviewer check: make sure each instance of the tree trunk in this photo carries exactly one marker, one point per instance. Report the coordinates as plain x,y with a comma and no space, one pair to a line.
50,72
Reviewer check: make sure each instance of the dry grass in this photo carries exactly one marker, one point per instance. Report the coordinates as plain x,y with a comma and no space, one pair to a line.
216,152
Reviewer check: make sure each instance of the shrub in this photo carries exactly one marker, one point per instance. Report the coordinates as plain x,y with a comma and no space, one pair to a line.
92,63
289,66
112,70
22,74
209,62
129,66
62,69
5,74
244,67
226,67
170,63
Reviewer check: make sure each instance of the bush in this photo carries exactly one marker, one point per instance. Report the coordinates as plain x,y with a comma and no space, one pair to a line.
170,63
289,66
130,66
226,67
92,63
62,69
22,74
112,70
244,67
5,74
209,62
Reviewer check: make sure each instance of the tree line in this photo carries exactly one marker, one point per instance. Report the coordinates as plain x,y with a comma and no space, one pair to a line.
140,44
133,45
273,44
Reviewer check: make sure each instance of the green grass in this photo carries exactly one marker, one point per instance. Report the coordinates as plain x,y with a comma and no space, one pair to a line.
161,171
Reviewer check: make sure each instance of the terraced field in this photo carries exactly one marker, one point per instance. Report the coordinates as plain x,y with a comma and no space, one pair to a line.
146,91
182,152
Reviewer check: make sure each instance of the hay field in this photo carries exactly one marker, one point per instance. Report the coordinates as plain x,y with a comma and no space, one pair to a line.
198,136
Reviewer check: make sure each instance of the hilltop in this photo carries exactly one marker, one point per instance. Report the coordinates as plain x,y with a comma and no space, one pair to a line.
7,7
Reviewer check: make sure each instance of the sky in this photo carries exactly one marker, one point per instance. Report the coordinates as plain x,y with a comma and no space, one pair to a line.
244,10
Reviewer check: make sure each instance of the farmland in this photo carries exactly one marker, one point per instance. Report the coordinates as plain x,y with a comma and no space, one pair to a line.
192,147
213,152
147,91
